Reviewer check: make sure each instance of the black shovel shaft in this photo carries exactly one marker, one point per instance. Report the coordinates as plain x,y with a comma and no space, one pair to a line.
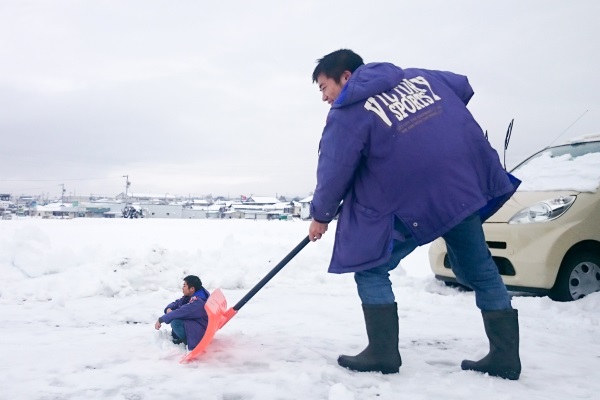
271,274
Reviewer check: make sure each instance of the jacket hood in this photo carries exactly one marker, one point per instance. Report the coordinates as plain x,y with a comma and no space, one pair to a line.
202,293
369,80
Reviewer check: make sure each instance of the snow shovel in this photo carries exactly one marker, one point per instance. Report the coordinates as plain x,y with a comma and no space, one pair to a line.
216,305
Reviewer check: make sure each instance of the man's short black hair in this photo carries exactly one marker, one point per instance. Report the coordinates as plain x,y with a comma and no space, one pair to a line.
334,64
193,281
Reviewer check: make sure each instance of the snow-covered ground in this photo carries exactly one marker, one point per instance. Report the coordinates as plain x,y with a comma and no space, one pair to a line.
79,298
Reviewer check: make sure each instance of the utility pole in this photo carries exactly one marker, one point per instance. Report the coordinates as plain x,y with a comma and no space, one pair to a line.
62,198
127,183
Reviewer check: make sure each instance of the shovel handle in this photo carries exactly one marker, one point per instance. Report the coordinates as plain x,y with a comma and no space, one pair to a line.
271,274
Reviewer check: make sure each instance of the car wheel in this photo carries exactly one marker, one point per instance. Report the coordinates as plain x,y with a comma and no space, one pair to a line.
579,275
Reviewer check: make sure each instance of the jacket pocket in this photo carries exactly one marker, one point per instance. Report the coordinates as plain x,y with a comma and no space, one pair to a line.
362,237
369,213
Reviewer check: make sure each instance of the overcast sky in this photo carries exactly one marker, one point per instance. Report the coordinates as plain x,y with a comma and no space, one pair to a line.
198,97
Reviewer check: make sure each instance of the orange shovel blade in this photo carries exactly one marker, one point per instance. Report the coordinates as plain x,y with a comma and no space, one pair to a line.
218,315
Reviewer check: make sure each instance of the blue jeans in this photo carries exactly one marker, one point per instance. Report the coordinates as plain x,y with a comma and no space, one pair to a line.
470,259
178,329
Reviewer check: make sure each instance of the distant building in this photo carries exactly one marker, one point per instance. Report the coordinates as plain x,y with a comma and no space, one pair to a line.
208,211
147,198
164,210
148,205
305,207
260,201
199,203
59,210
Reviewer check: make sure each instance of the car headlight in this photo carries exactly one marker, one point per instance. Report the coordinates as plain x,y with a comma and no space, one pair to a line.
543,211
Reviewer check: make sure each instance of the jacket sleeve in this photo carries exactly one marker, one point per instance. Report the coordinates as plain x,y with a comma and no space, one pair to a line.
174,305
192,310
339,156
459,84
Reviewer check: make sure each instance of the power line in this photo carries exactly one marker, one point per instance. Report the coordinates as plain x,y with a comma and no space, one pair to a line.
568,127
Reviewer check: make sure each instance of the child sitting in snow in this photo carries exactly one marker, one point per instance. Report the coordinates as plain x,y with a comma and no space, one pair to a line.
187,315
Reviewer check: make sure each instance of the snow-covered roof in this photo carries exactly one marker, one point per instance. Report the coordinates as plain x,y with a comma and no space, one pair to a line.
278,206
262,200
240,206
591,137
107,201
306,199
151,196
200,202
53,207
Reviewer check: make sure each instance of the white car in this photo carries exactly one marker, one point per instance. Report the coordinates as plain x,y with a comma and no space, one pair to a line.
546,238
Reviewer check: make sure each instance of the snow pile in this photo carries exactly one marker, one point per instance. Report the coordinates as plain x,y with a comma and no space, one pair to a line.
547,173
78,301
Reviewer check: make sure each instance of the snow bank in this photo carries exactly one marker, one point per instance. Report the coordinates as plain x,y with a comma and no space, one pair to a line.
78,301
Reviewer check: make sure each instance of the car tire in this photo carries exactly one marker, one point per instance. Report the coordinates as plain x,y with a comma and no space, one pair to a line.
579,275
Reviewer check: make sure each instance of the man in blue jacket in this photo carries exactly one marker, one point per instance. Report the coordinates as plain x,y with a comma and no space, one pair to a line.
187,315
411,164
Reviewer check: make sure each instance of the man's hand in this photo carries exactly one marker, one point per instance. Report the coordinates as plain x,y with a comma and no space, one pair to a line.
157,325
316,230
168,310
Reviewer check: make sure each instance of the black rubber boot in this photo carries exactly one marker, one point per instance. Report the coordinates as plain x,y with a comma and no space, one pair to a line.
176,339
502,329
381,355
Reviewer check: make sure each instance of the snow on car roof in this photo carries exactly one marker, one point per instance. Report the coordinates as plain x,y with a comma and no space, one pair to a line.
585,138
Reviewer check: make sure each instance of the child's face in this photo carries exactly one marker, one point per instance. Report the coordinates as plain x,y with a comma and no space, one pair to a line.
187,291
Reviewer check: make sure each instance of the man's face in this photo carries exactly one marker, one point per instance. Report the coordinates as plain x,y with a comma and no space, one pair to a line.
187,291
329,88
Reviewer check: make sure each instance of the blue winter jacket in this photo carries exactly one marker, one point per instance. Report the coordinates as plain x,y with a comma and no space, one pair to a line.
191,310
402,143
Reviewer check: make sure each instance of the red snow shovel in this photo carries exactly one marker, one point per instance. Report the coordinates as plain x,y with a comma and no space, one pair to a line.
216,305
